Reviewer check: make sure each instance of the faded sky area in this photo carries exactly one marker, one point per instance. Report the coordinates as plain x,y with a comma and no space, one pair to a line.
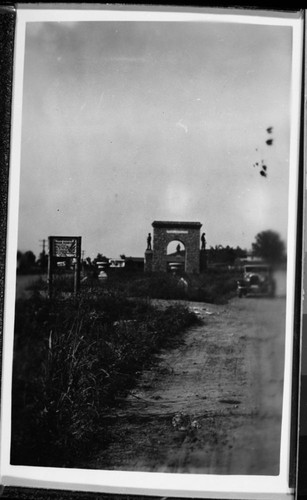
125,123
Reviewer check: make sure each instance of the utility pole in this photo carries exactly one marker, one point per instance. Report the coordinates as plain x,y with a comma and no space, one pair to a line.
43,242
43,261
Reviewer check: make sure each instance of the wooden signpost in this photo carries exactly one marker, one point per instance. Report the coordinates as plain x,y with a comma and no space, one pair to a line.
64,250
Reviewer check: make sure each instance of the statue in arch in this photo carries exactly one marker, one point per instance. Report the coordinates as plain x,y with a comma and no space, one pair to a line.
178,248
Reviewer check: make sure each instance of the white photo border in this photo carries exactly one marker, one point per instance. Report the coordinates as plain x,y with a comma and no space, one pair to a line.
145,483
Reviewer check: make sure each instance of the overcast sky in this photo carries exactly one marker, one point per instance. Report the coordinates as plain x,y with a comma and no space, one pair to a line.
125,123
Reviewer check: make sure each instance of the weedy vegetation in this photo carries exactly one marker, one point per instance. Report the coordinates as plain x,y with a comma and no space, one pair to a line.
215,286
75,359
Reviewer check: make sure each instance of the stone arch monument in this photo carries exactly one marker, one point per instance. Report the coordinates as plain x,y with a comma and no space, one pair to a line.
164,232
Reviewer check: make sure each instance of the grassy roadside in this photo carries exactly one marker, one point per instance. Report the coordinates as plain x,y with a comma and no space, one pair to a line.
215,286
73,360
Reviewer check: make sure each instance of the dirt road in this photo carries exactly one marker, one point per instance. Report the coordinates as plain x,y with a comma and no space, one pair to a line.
211,405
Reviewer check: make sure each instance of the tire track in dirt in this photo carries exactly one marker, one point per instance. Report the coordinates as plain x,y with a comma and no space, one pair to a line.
211,405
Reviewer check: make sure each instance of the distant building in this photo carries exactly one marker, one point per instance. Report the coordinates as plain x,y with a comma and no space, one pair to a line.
118,263
176,260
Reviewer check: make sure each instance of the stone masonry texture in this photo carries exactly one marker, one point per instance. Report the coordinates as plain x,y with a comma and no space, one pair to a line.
188,233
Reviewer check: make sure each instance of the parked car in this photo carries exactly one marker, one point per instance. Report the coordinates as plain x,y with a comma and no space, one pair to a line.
257,280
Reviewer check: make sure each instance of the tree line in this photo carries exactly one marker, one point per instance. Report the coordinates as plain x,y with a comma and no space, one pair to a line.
268,246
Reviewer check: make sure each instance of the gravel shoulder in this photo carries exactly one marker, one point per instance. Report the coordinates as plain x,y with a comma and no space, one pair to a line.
210,405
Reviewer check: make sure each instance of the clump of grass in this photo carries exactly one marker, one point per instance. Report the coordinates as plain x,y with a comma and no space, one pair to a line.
215,286
74,359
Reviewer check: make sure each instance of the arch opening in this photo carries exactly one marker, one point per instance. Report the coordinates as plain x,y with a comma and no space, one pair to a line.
176,257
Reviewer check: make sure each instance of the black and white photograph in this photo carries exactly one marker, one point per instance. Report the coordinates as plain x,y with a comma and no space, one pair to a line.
152,243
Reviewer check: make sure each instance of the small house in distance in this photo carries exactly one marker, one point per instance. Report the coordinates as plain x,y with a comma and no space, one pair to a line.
117,263
176,261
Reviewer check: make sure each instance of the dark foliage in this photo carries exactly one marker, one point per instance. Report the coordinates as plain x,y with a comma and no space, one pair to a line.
213,286
25,262
74,359
269,246
224,255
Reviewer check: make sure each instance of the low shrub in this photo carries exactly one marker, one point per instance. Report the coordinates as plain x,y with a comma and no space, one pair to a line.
215,286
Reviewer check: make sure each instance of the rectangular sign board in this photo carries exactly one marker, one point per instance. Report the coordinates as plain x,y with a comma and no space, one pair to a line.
64,247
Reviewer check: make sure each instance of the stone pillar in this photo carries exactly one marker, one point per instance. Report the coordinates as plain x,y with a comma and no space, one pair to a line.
148,261
203,260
